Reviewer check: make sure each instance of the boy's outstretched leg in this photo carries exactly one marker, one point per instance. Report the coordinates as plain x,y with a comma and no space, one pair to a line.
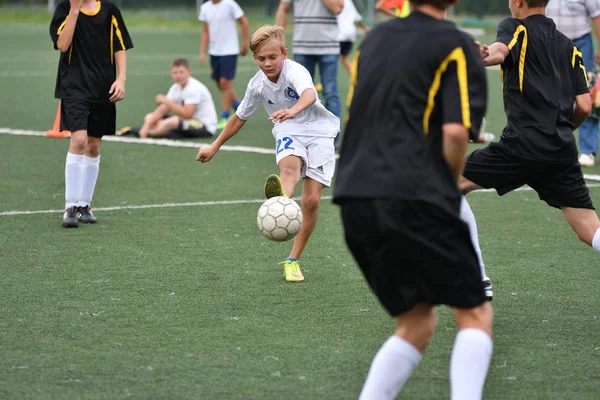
311,199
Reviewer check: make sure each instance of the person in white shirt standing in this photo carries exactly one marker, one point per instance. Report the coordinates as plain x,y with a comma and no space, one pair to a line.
347,21
303,128
190,102
572,18
219,33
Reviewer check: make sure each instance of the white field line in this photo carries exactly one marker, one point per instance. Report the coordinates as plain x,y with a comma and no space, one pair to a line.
156,142
202,204
177,143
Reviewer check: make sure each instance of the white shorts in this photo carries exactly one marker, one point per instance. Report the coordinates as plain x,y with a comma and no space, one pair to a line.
317,154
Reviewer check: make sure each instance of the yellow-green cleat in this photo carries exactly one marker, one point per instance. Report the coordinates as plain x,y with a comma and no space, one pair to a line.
221,124
291,271
273,187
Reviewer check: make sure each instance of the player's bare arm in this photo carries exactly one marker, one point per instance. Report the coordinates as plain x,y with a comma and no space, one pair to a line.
117,90
497,53
66,35
306,100
596,22
243,21
182,111
335,6
234,124
203,43
282,13
582,110
456,142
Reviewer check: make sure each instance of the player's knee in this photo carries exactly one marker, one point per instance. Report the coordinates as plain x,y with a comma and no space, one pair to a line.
147,117
480,317
92,149
78,143
224,84
310,203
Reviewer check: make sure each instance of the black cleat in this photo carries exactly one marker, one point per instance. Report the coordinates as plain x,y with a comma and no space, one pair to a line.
487,287
70,218
85,215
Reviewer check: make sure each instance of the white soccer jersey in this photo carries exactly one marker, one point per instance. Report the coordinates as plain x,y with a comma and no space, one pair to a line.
315,121
196,93
222,30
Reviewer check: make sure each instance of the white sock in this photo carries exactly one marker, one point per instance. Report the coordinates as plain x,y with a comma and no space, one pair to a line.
90,176
466,214
470,360
596,240
73,179
390,369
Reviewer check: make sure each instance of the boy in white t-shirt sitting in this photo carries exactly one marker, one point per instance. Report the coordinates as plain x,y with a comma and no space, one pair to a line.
304,132
190,102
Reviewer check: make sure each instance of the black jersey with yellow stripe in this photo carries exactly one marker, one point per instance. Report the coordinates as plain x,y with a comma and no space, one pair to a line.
541,76
411,76
87,69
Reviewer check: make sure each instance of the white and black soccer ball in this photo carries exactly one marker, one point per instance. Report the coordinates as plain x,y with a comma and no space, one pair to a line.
279,218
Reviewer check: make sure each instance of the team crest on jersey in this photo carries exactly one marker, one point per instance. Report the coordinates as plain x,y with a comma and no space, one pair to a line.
290,94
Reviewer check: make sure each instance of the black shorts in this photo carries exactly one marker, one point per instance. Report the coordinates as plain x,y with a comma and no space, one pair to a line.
97,119
188,130
499,167
345,48
413,252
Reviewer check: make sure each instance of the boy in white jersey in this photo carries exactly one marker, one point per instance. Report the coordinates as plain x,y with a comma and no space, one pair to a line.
303,129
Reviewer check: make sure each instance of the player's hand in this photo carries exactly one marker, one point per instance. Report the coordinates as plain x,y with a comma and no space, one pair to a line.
117,91
283,115
202,59
206,153
160,99
484,50
244,50
76,4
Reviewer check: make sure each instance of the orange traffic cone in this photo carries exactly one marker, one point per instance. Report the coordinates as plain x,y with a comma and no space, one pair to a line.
55,132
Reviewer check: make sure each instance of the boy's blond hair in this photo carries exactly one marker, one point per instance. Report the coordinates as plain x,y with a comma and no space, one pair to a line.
266,33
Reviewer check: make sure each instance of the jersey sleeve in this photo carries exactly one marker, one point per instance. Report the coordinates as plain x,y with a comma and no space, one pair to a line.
59,19
249,103
593,8
579,72
171,94
509,32
120,39
202,16
236,10
463,88
300,79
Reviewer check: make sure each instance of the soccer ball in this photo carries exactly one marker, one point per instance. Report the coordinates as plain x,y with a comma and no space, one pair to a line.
279,218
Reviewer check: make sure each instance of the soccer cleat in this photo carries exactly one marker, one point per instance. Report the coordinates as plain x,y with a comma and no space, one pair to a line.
487,287
221,124
291,271
70,218
587,160
85,215
273,187
319,87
